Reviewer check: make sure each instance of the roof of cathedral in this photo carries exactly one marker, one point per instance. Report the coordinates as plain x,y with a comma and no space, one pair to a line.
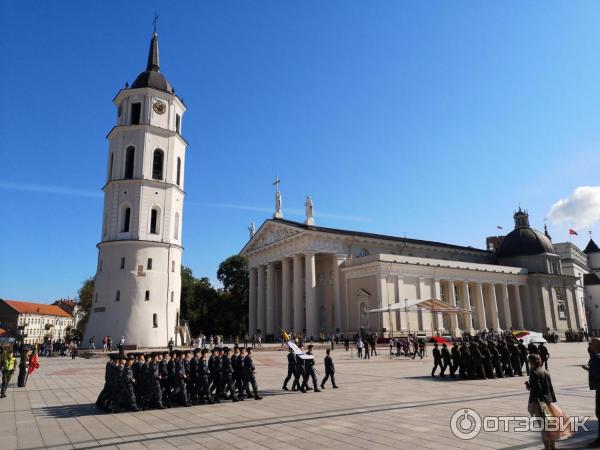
590,279
376,236
36,308
523,242
591,247
151,77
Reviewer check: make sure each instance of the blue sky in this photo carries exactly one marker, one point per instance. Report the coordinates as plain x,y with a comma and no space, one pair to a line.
430,119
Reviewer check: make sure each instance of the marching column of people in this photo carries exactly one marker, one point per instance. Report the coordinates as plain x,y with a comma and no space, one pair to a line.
168,379
486,358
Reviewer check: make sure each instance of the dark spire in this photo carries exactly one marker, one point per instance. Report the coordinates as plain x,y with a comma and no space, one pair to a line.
546,232
153,61
591,247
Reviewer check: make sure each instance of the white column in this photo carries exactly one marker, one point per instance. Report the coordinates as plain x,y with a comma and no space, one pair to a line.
437,294
467,305
382,299
337,306
493,316
425,316
299,316
518,307
403,325
453,317
480,307
310,289
261,312
271,298
506,307
252,300
286,296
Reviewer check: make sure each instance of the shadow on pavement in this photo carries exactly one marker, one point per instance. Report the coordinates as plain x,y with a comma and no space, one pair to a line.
64,411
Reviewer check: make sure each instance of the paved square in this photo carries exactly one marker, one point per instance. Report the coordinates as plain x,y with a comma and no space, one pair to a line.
382,403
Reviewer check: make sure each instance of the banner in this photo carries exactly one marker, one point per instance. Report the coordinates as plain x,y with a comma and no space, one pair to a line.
299,352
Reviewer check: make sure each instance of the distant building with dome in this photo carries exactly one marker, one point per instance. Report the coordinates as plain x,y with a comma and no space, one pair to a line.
311,279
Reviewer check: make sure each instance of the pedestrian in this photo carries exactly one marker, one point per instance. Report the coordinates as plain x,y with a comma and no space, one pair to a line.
359,347
291,359
310,370
8,368
593,369
455,354
367,355
542,403
104,344
249,376
544,355
329,370
23,366
127,381
171,344
437,360
92,343
523,353
446,359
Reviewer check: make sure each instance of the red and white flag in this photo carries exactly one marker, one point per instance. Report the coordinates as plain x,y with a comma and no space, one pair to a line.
572,232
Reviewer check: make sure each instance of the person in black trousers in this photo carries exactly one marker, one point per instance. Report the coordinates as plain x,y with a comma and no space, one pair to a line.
437,360
329,370
291,358
446,359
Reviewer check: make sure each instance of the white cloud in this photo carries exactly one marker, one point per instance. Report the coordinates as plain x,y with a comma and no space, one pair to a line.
580,210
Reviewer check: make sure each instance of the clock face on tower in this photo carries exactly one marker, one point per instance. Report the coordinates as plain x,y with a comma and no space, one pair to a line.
159,107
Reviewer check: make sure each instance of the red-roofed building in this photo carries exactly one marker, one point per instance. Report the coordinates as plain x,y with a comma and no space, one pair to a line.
34,321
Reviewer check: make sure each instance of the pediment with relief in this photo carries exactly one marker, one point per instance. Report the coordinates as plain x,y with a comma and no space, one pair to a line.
268,234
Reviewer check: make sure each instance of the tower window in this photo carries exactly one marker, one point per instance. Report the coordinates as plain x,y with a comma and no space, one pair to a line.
178,123
129,162
178,171
147,296
149,264
172,296
153,221
136,112
118,297
176,231
110,166
155,320
122,263
172,266
126,220
157,164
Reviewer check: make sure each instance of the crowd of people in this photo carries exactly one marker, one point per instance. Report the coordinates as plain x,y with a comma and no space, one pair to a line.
169,379
486,358
303,369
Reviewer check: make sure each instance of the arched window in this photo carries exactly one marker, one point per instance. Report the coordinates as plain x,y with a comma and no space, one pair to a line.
125,219
147,296
155,320
176,226
154,221
364,316
178,171
129,162
157,164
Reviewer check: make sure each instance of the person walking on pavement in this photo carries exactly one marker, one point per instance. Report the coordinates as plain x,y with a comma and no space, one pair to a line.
329,370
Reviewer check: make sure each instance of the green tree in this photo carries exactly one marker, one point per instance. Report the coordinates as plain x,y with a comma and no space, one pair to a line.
85,298
233,274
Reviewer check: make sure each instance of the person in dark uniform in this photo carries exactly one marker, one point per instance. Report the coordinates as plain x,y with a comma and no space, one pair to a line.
532,348
476,361
455,354
505,359
136,369
194,380
486,359
218,374
329,370
291,359
101,401
465,361
249,376
239,371
181,379
310,371
515,359
544,355
117,385
446,359
171,345
23,366
127,381
155,392
495,355
367,354
204,379
437,360
164,378
593,369
188,381
227,375
212,370
523,353
299,371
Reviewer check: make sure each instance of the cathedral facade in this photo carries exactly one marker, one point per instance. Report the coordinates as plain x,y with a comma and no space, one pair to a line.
138,280
311,279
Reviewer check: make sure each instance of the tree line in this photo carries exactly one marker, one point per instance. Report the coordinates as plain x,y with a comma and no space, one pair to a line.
207,309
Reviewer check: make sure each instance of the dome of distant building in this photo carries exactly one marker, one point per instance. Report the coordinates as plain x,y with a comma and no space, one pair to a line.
524,240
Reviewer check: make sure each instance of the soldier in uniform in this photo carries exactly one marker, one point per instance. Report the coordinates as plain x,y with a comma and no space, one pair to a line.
188,379
437,360
194,380
212,370
136,369
127,381
239,371
164,379
181,379
310,371
486,359
203,376
476,361
249,378
227,375
515,358
544,355
329,370
465,361
117,385
103,397
144,382
299,371
523,353
218,374
155,392
291,359
505,358
495,354
455,354
446,359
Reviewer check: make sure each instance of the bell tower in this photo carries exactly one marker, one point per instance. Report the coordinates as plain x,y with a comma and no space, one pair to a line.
138,278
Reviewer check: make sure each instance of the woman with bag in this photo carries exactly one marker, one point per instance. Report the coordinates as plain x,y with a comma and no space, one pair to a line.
542,404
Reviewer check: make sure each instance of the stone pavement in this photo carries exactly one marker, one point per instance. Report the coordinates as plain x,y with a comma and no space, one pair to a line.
382,403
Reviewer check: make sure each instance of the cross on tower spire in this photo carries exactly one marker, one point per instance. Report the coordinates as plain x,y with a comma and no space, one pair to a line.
155,21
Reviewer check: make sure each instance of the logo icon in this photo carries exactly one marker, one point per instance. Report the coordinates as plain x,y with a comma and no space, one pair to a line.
465,424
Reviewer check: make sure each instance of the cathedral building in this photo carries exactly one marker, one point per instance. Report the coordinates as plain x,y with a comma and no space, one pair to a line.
138,281
313,279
